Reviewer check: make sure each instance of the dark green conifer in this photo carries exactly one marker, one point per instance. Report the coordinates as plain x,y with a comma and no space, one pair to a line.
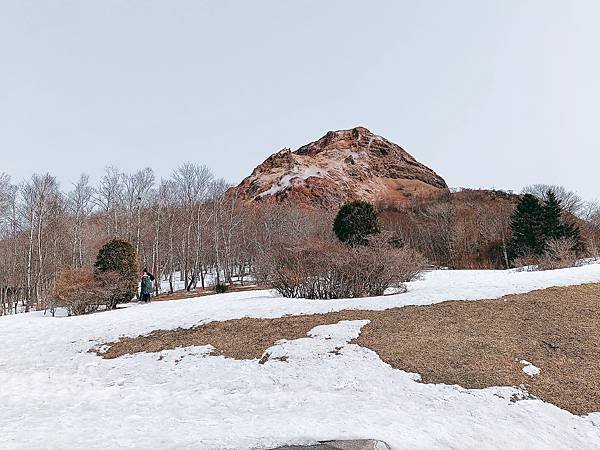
119,257
527,228
552,215
355,222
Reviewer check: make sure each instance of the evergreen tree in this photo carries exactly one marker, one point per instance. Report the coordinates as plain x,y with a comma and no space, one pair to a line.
527,228
552,224
118,256
355,222
571,231
534,224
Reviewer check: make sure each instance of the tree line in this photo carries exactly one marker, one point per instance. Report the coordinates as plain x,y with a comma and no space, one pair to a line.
192,226
473,228
186,223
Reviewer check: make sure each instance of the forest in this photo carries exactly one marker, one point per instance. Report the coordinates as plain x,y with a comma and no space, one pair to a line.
192,225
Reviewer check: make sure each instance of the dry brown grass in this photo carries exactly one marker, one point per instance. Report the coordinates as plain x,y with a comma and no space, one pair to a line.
472,344
479,344
239,338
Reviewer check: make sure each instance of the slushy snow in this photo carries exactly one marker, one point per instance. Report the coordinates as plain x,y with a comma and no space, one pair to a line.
56,394
530,369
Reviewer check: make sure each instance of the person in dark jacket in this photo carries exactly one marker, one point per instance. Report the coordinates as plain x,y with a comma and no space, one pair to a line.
146,286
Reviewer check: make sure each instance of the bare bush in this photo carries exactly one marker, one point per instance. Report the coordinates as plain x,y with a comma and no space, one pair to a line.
327,270
112,288
469,229
271,228
77,291
559,254
82,292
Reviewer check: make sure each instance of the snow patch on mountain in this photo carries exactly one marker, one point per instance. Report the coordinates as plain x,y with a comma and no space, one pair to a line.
296,174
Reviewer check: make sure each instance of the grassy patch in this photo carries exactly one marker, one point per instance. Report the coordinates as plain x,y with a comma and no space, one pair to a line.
472,344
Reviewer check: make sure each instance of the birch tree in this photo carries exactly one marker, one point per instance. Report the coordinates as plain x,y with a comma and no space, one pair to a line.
135,195
192,182
41,199
80,205
108,197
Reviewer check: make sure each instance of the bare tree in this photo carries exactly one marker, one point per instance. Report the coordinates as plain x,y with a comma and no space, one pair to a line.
193,183
108,197
163,225
570,201
42,203
135,194
8,259
79,204
5,188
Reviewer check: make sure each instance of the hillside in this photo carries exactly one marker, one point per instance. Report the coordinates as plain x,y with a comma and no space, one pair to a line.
342,165
336,381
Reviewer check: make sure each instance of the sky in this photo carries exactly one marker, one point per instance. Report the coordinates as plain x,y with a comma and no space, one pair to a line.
490,94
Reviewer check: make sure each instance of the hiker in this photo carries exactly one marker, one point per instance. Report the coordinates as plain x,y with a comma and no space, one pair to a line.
146,286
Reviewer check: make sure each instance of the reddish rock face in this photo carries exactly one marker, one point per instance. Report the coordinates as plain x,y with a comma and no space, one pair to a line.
341,166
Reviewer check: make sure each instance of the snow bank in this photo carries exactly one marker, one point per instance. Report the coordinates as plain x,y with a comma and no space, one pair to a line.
57,395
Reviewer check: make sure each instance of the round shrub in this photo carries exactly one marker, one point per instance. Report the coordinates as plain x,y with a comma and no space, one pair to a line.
118,257
355,222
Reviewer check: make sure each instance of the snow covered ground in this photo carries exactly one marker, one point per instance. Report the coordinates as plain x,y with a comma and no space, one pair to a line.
55,394
210,279
178,284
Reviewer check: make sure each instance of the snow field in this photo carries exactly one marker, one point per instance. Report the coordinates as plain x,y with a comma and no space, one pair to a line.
55,394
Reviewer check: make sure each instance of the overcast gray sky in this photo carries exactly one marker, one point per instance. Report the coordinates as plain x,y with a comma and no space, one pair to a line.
487,93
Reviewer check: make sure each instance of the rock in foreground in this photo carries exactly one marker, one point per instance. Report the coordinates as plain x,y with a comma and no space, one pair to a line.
363,444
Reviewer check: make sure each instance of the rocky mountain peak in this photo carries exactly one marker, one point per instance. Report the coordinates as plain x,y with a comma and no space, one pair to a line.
341,166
